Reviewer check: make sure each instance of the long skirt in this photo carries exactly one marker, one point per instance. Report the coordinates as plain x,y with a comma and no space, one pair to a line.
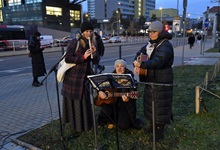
78,113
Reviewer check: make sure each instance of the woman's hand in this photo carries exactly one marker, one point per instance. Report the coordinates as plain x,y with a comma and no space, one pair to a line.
136,70
87,53
102,95
93,49
125,98
136,64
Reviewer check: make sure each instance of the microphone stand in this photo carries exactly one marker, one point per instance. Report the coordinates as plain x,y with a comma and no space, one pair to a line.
54,69
152,84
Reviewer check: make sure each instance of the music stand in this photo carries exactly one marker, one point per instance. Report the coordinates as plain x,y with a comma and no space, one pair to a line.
105,81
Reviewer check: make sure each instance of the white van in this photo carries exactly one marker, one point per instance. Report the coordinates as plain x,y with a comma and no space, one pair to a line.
46,40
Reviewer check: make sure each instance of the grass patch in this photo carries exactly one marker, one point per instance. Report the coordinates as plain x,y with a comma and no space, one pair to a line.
213,50
188,131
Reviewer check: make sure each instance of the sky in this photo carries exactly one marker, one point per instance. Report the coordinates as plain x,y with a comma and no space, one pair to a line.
195,8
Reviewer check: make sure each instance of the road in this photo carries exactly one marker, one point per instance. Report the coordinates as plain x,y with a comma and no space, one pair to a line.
15,65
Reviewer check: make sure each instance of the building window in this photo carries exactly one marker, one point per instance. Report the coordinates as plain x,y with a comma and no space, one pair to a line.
1,18
33,1
74,15
14,2
55,11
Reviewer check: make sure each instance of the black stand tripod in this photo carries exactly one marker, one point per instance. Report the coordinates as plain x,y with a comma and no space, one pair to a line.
109,80
54,69
152,87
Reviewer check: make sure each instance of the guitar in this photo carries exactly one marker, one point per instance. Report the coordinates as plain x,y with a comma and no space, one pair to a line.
142,72
112,97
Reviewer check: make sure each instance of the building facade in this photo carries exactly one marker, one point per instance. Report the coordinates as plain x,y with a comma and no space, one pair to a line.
104,9
55,14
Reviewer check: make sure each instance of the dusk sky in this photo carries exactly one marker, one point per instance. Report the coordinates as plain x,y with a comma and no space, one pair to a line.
194,7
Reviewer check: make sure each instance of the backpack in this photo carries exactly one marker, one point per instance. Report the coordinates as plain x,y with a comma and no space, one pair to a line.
199,37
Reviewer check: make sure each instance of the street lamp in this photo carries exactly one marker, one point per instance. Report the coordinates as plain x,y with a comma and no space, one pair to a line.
112,27
119,20
161,14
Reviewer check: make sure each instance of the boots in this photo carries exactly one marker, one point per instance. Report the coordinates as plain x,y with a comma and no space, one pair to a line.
36,83
159,133
149,128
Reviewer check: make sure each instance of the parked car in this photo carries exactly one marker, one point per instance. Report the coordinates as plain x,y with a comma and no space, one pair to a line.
2,46
115,39
105,39
62,42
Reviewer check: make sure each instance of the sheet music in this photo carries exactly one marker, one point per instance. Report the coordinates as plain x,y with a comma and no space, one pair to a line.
112,80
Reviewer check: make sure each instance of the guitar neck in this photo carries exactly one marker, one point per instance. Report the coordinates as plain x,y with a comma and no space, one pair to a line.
133,94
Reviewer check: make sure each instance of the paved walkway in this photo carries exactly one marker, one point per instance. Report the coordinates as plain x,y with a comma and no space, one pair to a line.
24,108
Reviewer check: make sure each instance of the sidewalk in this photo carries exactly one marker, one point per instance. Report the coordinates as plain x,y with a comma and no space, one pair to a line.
25,108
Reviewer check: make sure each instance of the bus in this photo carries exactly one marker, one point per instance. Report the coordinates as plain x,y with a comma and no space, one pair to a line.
12,37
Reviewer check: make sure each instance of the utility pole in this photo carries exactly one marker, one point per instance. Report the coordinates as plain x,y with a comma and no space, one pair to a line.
184,27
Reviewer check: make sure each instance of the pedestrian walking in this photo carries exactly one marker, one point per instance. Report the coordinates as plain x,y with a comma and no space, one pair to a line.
191,40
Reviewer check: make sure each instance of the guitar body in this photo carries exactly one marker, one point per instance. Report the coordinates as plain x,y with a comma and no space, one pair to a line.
113,95
140,58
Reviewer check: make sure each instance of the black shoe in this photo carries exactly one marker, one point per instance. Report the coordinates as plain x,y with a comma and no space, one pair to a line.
149,129
139,124
36,84
39,83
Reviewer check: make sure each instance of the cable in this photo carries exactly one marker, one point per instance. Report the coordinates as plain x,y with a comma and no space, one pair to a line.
6,135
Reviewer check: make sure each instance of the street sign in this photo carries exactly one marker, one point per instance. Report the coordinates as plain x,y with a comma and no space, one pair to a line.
207,22
176,25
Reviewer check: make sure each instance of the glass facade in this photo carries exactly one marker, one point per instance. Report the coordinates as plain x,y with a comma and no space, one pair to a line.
14,2
54,11
43,13
32,1
1,17
19,15
74,15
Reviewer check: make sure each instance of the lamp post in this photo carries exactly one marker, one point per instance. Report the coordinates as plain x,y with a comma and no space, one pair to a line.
161,14
119,20
112,27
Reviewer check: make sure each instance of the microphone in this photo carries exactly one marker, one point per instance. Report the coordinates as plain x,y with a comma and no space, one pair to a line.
90,46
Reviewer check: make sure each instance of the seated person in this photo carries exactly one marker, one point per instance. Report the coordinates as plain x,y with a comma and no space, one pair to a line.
124,108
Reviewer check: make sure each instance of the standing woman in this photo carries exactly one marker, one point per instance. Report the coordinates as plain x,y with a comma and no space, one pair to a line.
158,69
37,58
77,107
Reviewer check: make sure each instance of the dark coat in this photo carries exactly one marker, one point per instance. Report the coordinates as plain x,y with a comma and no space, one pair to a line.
125,111
191,39
159,70
37,58
100,44
75,79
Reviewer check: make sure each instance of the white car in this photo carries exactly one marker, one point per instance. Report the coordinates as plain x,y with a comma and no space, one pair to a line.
115,39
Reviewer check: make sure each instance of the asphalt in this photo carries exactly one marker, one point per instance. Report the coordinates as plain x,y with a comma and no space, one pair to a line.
25,108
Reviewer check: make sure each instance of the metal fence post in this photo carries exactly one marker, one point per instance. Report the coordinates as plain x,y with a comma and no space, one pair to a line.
119,51
197,99
62,50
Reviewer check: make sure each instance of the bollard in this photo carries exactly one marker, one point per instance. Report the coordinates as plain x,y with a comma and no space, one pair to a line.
13,46
62,50
197,100
119,51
